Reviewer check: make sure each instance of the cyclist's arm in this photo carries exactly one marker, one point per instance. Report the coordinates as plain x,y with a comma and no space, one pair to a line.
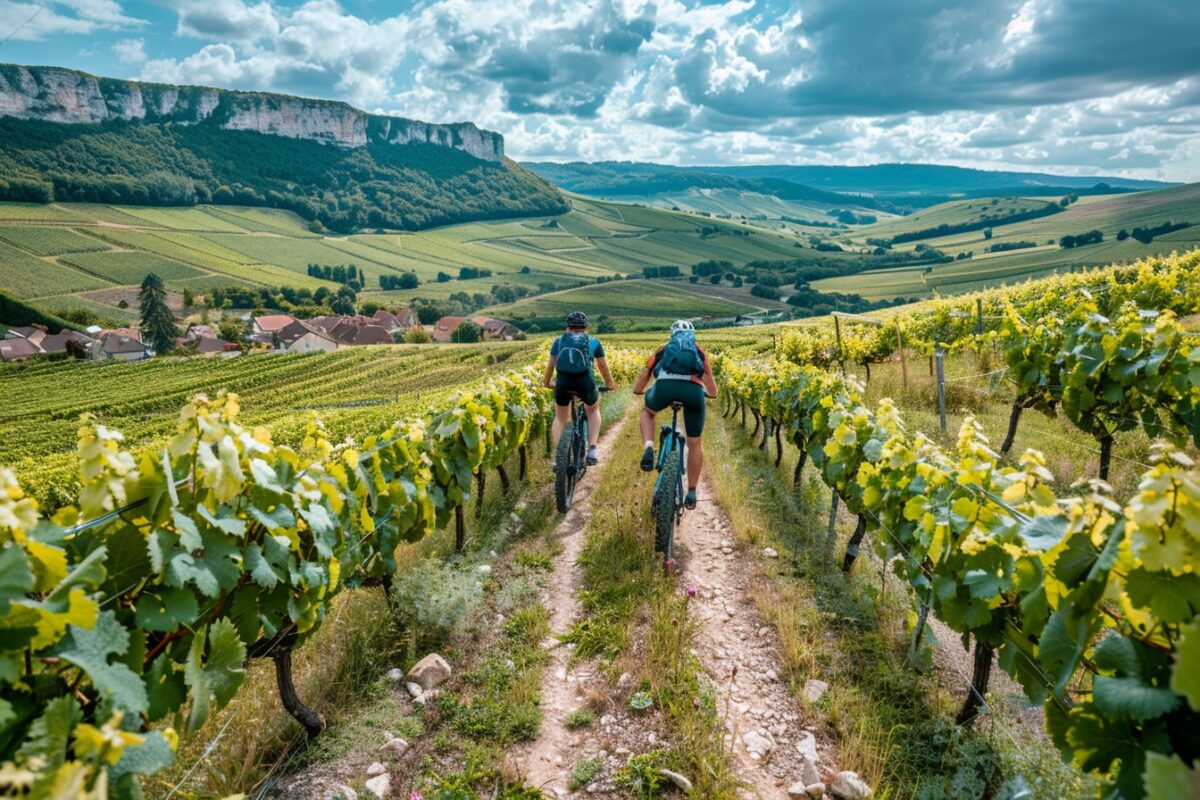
641,381
710,383
548,377
602,365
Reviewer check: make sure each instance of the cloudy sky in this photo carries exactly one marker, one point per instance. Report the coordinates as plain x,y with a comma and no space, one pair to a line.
1069,86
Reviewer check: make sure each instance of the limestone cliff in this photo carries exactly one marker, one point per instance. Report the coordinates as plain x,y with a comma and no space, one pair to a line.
54,94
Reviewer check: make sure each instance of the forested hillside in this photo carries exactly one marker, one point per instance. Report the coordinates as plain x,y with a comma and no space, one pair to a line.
407,186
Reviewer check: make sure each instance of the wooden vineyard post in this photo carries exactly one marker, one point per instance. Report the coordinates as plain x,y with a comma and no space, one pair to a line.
523,468
757,422
914,647
505,484
940,357
799,466
743,404
778,446
903,363
766,431
978,316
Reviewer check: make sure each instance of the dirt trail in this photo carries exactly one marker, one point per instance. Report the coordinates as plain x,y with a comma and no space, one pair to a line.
759,710
547,762
755,704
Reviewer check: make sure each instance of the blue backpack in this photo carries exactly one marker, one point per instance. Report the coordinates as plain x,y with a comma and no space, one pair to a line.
574,354
681,356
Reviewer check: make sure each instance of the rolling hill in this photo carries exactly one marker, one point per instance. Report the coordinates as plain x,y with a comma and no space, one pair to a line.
1028,248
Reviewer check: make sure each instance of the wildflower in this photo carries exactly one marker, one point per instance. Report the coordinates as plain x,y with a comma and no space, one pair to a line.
415,794
695,702
691,590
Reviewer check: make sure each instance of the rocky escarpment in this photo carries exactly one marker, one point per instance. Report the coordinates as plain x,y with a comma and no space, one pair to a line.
54,94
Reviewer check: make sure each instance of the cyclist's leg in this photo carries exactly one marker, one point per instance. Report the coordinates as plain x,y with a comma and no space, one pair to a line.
692,395
654,404
562,410
591,404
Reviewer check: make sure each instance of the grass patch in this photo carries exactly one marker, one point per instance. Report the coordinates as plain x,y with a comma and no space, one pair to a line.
626,594
579,718
583,773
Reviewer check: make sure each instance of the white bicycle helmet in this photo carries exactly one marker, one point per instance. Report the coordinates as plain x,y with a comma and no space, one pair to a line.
681,325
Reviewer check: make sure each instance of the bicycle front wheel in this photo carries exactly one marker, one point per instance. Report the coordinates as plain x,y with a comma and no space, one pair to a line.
665,504
564,473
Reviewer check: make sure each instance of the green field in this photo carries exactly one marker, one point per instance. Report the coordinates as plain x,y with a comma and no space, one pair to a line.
1106,213
633,302
357,391
52,253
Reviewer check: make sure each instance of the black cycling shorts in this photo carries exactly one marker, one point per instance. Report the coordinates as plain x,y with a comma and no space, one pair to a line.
582,384
690,393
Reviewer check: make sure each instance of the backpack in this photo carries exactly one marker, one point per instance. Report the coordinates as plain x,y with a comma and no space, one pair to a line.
574,354
681,356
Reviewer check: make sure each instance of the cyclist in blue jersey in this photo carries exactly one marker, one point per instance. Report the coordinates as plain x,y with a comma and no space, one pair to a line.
570,371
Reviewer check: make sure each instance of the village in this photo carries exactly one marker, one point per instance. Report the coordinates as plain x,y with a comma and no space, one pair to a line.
267,333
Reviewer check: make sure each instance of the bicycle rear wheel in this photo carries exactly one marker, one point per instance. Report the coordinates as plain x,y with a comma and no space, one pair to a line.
564,473
665,505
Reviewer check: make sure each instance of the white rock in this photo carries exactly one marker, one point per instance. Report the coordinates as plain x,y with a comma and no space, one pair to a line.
515,517
624,679
770,552
797,791
652,737
395,745
814,690
809,774
485,569
414,689
341,792
772,675
757,744
808,747
848,786
376,769
607,720
817,790
380,786
430,671
725,543
674,777
395,674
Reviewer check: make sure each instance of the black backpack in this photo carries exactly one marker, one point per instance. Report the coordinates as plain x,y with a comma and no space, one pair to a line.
574,354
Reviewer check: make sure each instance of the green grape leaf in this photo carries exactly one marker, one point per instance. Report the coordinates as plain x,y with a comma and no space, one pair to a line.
224,520
1168,778
153,755
90,651
213,569
1131,698
166,609
1099,742
218,675
1172,598
1117,653
50,734
16,576
260,568
1062,644
1042,533
1186,677
164,688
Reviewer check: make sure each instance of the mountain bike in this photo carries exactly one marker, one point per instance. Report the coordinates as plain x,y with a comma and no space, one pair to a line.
668,488
570,461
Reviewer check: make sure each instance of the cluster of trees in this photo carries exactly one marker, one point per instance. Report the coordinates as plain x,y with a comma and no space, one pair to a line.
405,280
1001,247
304,302
351,275
716,230
343,189
763,290
848,217
712,267
661,272
1080,239
816,223
984,223
809,302
471,273
1146,235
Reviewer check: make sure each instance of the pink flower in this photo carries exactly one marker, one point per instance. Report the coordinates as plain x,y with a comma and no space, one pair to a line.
691,590
695,702
415,794
670,565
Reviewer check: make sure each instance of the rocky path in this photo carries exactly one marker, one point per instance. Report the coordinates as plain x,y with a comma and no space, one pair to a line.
772,752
